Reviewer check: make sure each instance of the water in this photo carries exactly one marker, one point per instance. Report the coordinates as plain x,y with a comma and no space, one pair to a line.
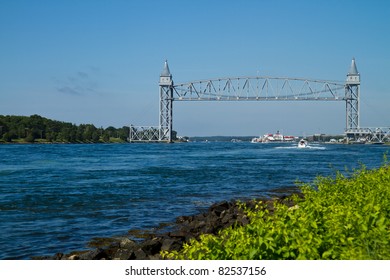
56,198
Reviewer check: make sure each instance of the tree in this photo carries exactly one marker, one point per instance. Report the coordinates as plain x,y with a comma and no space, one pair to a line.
30,138
7,137
106,137
34,127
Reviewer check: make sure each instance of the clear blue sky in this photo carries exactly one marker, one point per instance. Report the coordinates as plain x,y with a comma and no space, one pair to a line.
99,61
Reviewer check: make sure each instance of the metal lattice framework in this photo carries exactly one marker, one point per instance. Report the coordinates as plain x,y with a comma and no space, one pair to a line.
352,106
144,133
370,134
166,113
259,89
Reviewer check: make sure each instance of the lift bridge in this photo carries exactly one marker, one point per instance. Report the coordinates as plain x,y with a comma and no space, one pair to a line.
260,88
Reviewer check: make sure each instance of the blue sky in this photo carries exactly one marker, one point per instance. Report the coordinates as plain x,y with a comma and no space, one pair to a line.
99,61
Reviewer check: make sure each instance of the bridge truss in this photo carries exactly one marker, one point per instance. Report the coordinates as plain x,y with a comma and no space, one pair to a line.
259,89
144,133
369,134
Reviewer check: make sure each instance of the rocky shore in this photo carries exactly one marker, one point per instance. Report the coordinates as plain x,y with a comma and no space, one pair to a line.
218,216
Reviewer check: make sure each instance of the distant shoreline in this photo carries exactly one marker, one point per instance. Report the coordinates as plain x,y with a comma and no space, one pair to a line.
195,140
56,143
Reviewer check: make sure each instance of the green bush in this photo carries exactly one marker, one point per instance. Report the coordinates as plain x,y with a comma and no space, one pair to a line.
338,218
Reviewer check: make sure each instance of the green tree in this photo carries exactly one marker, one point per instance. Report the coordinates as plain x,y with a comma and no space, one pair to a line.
7,137
30,137
106,137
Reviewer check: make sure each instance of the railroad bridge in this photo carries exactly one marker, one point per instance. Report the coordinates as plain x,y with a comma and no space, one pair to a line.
259,88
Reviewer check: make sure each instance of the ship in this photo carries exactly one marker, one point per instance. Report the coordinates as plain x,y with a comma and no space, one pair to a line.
277,137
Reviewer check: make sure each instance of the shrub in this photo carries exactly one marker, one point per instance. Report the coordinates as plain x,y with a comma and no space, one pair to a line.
338,218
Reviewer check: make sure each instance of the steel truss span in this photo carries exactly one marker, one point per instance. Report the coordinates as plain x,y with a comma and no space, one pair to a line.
144,133
259,89
370,134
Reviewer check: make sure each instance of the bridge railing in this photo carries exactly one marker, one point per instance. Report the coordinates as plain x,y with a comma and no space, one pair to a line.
259,89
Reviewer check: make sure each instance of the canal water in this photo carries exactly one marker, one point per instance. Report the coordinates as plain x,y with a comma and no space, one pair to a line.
56,198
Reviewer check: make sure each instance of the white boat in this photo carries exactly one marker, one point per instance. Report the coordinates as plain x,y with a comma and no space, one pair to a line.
303,143
278,137
269,137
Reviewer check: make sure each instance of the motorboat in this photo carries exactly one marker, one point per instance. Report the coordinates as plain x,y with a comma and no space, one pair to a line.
302,143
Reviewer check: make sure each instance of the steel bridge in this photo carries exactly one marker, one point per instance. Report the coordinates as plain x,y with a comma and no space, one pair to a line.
259,88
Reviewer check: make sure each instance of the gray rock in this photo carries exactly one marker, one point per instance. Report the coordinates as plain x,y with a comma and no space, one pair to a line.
96,254
140,255
152,246
124,254
170,244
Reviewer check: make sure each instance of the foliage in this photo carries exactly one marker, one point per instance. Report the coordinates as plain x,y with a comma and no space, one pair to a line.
30,129
338,218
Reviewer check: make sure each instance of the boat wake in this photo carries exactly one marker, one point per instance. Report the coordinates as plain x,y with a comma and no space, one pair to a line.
308,147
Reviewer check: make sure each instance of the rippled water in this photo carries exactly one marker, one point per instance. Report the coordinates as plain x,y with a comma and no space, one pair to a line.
55,198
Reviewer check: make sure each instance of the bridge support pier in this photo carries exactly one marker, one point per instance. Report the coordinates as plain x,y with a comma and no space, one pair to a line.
166,105
352,98
166,114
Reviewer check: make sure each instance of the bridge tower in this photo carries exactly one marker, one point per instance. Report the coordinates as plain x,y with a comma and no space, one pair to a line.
352,97
166,102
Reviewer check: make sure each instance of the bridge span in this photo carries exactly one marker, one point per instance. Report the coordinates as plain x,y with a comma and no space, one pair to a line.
259,88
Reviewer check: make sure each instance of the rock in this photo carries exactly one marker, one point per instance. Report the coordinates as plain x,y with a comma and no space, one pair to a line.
170,244
209,229
227,217
100,242
181,234
242,220
126,243
58,256
140,255
96,254
155,257
218,208
152,246
124,254
184,219
72,257
197,225
219,216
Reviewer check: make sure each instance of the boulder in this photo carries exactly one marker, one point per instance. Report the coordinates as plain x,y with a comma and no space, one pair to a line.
219,216
218,208
171,244
96,254
140,255
126,243
124,254
151,246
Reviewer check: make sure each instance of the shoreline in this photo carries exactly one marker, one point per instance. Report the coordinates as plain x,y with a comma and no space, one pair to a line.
146,244
157,142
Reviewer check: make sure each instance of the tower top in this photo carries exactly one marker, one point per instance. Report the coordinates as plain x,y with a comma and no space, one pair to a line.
353,76
166,76
166,72
353,69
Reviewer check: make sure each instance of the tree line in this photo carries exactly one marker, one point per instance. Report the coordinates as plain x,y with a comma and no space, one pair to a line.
39,129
